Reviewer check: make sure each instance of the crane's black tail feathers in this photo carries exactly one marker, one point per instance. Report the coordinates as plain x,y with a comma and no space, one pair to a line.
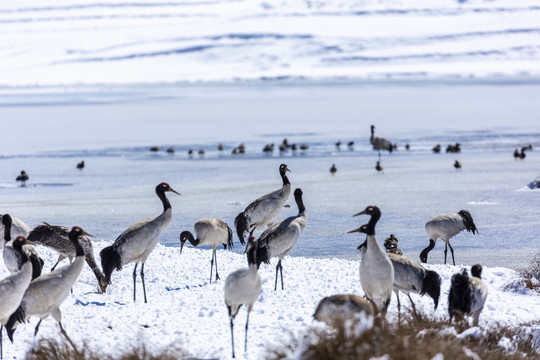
229,238
460,296
241,224
110,260
37,265
18,316
468,221
432,286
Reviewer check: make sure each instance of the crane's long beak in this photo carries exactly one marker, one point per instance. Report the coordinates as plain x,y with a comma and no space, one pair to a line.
353,231
182,243
174,191
287,169
360,213
88,234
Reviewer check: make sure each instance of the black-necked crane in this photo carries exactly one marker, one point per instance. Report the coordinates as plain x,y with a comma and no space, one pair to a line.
457,165
18,228
446,226
209,231
136,243
334,310
264,210
12,258
516,154
23,177
376,270
57,238
12,288
379,143
45,294
522,154
410,276
243,287
280,238
467,295
80,165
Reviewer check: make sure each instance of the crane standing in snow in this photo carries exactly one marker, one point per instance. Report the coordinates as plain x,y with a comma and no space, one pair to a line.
209,231
280,238
376,270
446,226
243,287
137,242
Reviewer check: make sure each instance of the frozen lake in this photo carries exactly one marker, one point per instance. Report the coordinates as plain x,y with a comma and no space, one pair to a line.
47,131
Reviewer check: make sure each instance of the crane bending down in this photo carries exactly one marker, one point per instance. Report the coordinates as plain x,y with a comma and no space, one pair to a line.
137,242
376,269
334,310
57,238
243,287
209,231
379,143
446,226
264,210
46,293
280,238
12,288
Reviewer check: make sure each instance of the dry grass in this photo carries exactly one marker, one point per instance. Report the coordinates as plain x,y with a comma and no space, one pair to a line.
53,349
417,337
530,276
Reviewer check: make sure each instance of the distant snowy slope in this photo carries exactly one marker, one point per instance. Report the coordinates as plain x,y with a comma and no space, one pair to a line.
83,41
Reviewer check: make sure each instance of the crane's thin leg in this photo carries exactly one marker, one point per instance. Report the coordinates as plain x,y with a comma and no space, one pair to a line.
277,268
215,257
398,306
231,318
211,267
281,273
37,327
134,278
247,321
379,151
1,345
445,251
67,337
143,286
452,251
412,304
54,267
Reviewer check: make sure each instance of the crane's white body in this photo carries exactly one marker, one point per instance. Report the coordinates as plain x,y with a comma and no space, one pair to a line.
281,237
211,231
137,242
444,227
334,310
377,274
264,211
12,289
408,274
242,287
18,228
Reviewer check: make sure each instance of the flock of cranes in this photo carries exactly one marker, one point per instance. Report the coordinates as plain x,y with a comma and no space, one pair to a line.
27,292
381,272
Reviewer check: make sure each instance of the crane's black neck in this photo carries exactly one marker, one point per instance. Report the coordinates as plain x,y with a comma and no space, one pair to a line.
375,216
161,195
372,130
189,236
283,173
74,237
299,201
6,221
17,245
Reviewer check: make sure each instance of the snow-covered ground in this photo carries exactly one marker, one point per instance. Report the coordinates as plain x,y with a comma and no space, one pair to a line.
67,42
184,309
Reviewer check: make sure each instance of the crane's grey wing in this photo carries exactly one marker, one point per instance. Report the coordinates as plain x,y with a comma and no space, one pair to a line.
132,242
